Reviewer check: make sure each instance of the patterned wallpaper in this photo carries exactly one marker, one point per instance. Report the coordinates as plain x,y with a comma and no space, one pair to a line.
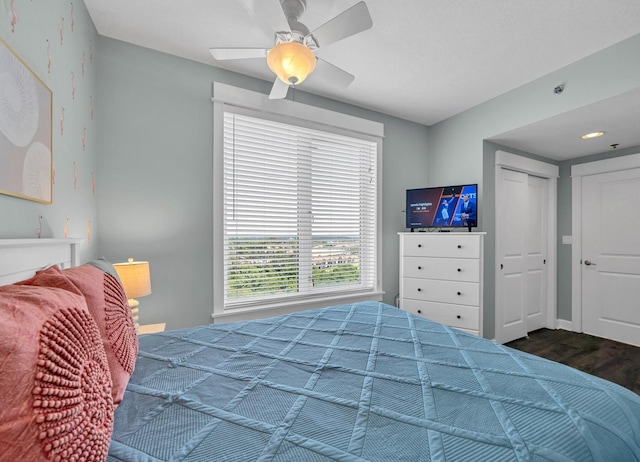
57,40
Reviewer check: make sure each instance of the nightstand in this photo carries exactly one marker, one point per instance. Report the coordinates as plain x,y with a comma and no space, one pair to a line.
152,328
147,328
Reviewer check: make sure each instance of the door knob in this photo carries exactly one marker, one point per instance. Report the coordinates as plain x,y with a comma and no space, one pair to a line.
589,263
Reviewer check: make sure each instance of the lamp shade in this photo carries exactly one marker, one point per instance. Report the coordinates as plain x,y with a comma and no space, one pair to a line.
292,62
135,277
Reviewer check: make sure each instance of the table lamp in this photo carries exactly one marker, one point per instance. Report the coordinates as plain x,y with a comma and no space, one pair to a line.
136,280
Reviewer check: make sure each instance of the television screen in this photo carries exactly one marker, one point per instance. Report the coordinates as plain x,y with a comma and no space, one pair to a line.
443,207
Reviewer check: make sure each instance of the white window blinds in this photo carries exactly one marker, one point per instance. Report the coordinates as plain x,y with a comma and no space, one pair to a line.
300,212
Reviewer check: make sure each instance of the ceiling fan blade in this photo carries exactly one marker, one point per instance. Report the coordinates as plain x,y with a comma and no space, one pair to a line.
269,11
279,89
222,54
273,13
332,74
350,22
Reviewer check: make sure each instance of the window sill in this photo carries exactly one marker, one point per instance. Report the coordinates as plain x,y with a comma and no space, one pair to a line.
276,309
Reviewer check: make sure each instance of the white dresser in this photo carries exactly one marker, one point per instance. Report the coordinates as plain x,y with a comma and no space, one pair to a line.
441,277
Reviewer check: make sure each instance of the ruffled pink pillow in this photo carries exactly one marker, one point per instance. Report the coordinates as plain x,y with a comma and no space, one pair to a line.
55,385
108,304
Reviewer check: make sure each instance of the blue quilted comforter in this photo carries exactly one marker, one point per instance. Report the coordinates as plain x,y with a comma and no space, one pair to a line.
362,382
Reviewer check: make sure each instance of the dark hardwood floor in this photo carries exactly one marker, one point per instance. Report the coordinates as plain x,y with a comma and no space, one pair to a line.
614,361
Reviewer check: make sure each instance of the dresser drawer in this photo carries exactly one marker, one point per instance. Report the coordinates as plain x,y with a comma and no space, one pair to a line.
453,245
461,293
460,316
454,269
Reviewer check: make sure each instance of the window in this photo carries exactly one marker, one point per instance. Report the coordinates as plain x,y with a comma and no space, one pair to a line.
299,210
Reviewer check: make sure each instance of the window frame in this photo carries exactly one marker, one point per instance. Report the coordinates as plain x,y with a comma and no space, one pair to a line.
234,99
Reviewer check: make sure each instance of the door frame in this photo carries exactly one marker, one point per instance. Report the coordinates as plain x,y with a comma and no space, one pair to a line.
551,173
578,171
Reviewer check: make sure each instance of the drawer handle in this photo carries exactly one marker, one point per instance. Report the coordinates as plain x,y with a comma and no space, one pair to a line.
459,270
419,245
419,311
419,267
419,289
459,246
459,293
459,317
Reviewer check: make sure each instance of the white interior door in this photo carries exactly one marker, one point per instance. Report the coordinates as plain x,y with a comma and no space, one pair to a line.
521,243
611,255
511,214
525,276
536,255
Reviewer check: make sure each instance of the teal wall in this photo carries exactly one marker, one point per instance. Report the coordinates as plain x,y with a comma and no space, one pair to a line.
142,182
156,174
141,185
458,152
57,40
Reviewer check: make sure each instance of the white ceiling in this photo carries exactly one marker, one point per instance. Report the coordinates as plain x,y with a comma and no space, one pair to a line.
423,60
559,137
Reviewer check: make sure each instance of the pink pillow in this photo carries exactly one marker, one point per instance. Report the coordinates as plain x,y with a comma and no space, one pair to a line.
55,386
108,304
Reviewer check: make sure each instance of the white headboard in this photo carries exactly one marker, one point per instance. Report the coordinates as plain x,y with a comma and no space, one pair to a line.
21,258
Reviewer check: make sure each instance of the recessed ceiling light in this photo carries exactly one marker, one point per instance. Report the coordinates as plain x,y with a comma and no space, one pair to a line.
588,136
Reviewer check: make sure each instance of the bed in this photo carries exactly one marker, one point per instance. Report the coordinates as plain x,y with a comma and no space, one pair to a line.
353,382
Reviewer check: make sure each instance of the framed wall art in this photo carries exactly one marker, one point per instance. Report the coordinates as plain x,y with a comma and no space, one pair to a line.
26,128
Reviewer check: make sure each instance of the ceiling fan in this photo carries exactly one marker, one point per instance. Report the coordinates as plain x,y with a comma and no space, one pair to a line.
293,58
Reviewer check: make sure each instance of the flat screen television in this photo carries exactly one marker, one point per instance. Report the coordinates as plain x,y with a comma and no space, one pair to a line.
443,207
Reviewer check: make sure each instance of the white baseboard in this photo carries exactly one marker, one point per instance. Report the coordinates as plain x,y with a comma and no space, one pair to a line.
564,325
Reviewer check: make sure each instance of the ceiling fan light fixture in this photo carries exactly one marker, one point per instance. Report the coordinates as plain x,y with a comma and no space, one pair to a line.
292,62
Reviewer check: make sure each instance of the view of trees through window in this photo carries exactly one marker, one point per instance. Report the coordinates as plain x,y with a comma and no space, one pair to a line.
259,267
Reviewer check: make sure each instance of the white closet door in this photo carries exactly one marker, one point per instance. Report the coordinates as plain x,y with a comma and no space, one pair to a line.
521,243
536,251
513,202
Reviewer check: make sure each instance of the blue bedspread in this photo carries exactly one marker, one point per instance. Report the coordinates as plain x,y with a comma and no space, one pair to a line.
362,382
